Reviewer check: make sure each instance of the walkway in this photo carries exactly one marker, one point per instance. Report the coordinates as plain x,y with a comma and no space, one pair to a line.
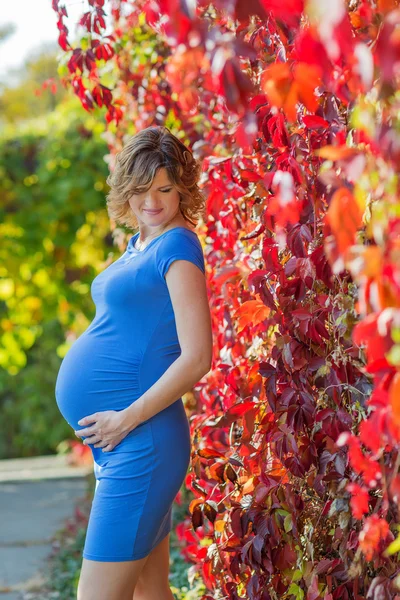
36,496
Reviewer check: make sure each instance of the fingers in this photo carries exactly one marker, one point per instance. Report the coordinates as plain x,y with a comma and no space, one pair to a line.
100,444
91,440
86,432
96,441
89,432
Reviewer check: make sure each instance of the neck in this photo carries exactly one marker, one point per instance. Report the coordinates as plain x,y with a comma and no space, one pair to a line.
143,236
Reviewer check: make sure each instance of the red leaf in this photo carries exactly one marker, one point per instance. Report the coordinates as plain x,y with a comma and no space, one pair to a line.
370,435
394,397
315,122
197,517
359,500
373,535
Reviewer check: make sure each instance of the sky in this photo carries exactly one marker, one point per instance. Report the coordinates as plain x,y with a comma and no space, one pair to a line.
36,24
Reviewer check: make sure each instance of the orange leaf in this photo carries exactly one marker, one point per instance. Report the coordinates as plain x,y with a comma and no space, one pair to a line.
276,71
219,525
285,87
385,6
195,502
290,102
307,77
345,217
276,82
210,453
367,260
336,152
248,486
251,312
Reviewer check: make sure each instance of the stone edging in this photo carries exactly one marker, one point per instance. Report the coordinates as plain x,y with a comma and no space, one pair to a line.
40,467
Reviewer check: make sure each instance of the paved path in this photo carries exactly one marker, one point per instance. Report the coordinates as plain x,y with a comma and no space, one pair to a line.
36,496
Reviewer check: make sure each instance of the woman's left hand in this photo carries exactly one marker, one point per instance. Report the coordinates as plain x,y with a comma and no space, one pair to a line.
108,430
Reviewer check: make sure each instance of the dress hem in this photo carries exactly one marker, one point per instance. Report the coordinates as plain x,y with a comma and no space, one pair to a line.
122,559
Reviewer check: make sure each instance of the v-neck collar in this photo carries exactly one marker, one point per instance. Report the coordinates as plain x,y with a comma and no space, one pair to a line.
132,240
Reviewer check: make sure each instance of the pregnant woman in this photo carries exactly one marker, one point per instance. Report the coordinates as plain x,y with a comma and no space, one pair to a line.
121,382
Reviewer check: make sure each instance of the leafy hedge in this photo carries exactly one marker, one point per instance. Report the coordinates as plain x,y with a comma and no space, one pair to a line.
55,238
294,107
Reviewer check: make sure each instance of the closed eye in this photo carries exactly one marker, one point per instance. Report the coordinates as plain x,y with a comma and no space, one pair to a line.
168,190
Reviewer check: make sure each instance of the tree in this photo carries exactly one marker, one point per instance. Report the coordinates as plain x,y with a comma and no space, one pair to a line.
54,239
37,90
6,30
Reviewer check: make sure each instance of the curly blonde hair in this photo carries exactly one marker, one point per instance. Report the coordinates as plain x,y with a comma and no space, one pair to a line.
136,166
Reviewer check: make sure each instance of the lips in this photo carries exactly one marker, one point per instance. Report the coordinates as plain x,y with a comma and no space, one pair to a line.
153,212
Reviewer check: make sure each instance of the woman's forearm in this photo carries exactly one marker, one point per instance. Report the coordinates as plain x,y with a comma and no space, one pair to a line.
178,379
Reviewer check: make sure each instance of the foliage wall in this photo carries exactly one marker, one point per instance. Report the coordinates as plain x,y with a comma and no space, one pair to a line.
55,238
294,108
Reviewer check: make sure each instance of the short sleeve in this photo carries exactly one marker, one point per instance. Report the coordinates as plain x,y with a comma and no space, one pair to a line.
179,245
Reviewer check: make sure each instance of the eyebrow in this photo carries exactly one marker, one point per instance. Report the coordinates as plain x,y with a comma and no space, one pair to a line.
165,185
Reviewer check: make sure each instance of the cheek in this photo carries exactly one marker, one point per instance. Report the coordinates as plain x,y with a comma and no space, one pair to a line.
134,203
174,200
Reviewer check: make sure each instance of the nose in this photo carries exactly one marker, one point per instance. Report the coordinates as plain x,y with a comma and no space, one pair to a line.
151,201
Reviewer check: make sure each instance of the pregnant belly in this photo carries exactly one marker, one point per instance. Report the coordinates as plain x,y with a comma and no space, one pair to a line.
96,376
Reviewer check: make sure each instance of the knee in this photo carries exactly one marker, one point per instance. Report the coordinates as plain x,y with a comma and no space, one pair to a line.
142,591
90,591
87,592
90,594
83,593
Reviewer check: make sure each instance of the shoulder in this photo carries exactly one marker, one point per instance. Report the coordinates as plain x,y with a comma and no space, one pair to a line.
179,244
181,236
181,231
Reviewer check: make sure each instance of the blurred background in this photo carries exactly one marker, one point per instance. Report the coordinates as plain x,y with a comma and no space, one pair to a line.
54,225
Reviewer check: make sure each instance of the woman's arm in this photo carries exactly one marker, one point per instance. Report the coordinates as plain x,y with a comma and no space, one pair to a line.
188,292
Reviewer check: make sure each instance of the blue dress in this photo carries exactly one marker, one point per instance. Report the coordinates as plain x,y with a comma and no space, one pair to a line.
130,343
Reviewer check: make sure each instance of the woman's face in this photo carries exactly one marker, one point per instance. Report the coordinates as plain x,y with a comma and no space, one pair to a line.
159,204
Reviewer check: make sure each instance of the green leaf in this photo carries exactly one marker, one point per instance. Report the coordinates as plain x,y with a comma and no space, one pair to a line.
296,591
393,356
393,547
297,575
288,523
